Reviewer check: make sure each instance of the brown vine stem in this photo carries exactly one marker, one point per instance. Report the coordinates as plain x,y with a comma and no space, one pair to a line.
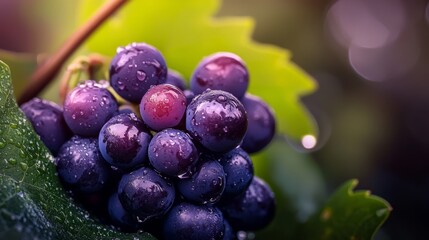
45,73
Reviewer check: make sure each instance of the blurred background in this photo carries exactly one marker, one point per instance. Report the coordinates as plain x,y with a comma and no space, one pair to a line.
370,59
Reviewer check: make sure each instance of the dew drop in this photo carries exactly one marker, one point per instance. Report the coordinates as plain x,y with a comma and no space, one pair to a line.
23,166
141,76
12,161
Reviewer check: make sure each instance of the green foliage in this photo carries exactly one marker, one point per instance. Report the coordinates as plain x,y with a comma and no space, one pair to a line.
33,204
348,215
186,31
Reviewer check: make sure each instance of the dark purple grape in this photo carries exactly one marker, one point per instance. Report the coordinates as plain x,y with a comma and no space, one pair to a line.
189,96
221,71
229,232
81,166
254,209
145,194
124,140
176,79
88,107
238,171
206,185
119,216
261,124
135,68
48,122
217,120
171,152
192,222
163,106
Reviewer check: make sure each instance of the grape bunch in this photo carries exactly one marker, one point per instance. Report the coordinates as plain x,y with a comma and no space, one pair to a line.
146,153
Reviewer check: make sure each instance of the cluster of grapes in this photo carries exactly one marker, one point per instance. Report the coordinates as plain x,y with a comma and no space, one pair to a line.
177,165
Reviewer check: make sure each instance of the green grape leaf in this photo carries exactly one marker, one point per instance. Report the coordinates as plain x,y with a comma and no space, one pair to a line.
186,31
33,204
348,214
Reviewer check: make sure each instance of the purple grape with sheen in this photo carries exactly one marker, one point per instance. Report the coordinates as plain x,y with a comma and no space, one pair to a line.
172,153
47,119
81,166
217,120
176,79
253,210
206,185
145,194
124,141
163,106
193,222
119,216
238,171
261,124
135,68
88,107
221,71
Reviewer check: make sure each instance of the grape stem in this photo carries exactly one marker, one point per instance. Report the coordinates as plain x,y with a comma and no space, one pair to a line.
46,72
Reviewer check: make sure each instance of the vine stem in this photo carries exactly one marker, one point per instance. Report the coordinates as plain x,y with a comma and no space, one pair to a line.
45,73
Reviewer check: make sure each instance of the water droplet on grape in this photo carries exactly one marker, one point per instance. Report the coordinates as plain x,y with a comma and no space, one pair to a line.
141,76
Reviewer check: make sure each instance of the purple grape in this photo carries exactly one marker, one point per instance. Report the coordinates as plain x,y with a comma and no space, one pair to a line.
217,120
238,171
81,166
189,96
171,152
135,68
88,107
254,209
261,124
124,140
176,79
221,71
229,232
192,222
48,122
206,185
163,106
119,216
145,194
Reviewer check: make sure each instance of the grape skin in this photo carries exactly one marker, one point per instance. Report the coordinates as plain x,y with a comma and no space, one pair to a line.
217,120
221,71
135,68
163,106
193,222
172,152
88,107
145,194
252,210
124,140
80,165
238,170
176,79
206,185
261,124
47,119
